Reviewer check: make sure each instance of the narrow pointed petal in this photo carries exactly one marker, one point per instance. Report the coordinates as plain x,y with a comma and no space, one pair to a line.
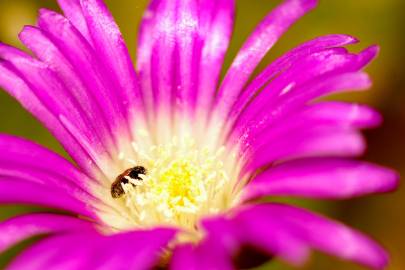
333,115
17,87
246,132
285,61
317,142
17,229
329,62
321,233
83,58
329,178
138,250
216,24
322,65
17,191
246,228
73,11
180,54
42,254
159,61
144,54
52,93
201,31
187,53
29,155
149,246
255,48
111,49
169,48
322,86
324,114
87,77
338,113
41,44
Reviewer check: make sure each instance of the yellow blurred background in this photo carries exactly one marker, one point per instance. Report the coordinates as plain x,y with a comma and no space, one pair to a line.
372,21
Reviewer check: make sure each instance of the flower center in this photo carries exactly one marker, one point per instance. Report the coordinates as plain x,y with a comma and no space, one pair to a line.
182,183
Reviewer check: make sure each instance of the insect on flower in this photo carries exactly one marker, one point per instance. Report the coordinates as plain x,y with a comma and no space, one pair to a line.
211,150
130,176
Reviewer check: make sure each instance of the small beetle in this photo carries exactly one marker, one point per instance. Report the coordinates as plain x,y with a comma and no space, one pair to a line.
133,173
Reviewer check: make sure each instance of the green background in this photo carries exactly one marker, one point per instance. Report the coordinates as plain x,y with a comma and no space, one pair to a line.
372,21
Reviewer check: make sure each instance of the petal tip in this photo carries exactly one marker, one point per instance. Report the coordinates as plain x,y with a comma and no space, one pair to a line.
44,12
351,39
309,4
395,180
374,48
364,81
376,118
24,31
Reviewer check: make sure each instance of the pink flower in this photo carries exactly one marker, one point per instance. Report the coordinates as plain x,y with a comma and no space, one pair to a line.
168,164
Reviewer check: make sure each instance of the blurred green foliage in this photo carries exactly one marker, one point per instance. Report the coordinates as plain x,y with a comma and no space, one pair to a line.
372,21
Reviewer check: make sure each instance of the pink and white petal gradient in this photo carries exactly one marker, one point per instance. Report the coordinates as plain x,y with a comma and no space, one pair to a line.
274,136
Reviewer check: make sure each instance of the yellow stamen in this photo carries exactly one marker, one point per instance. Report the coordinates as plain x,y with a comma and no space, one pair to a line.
184,183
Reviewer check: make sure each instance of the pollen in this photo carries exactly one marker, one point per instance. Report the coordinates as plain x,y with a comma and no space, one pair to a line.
184,183
181,180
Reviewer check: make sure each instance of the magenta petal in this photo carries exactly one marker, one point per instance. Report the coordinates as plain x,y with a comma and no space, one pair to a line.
319,66
184,258
214,256
180,53
244,229
216,24
53,94
323,64
294,56
324,114
207,255
291,101
215,251
337,113
137,250
84,60
144,54
257,45
315,142
74,248
19,89
73,11
320,116
318,87
210,253
186,41
17,191
112,50
20,156
329,178
41,44
308,68
187,53
22,227
168,53
323,234
140,249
